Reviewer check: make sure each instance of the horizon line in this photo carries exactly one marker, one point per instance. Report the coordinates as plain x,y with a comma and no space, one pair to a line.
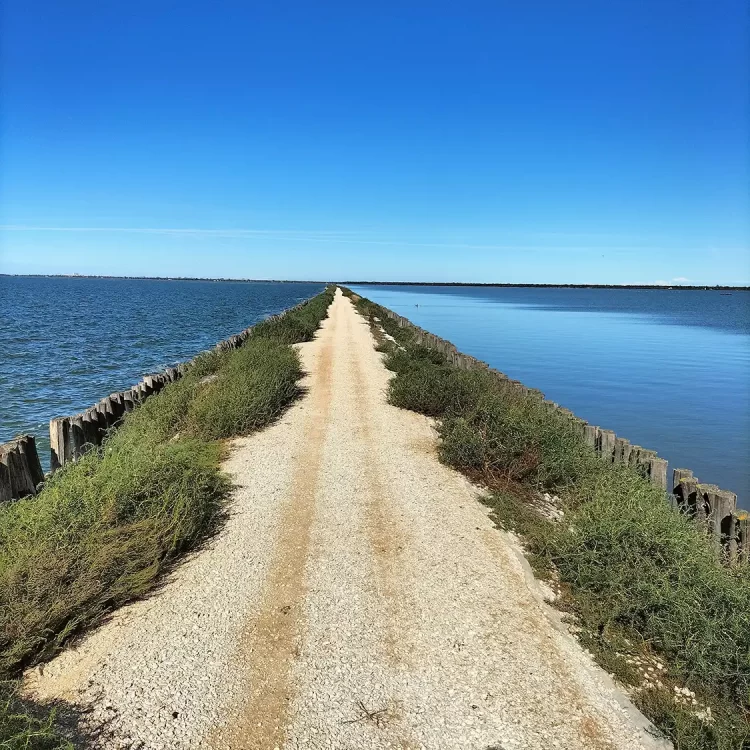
579,285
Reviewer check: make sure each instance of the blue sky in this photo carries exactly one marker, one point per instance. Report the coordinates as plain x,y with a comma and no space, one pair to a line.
597,141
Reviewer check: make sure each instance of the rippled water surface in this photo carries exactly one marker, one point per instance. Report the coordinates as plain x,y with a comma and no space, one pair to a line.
669,370
66,343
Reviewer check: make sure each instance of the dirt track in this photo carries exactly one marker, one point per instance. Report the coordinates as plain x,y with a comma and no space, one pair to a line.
358,598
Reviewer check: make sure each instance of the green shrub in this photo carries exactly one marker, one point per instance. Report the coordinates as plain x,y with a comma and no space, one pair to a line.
522,440
638,564
298,325
462,445
519,438
259,381
435,389
98,535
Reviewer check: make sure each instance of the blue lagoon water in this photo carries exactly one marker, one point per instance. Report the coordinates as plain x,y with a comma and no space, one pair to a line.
668,370
67,342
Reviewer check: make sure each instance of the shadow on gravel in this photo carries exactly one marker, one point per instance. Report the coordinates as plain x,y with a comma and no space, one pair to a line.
43,725
28,724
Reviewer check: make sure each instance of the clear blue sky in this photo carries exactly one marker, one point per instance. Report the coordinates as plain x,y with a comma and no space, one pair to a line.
524,141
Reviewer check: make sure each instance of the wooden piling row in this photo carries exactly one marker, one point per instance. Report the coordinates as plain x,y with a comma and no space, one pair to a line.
72,437
714,509
20,469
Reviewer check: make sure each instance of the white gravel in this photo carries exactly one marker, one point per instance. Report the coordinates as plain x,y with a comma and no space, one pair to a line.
358,597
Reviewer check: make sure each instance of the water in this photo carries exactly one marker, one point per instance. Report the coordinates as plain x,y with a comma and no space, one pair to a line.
66,343
669,370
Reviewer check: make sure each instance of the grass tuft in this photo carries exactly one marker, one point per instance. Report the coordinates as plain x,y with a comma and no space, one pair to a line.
251,391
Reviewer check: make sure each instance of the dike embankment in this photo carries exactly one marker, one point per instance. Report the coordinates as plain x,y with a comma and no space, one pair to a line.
350,587
358,595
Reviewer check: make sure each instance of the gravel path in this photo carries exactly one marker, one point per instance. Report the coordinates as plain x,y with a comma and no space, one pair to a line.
358,597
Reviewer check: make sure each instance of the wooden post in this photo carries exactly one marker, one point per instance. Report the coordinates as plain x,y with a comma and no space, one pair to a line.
676,498
91,427
6,487
678,475
702,508
57,429
607,445
591,435
21,482
20,470
734,541
77,436
128,401
640,460
657,472
619,449
103,418
626,451
118,405
743,537
722,505
27,444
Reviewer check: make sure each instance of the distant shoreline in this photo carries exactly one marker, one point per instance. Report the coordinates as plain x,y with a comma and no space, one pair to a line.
702,287
675,287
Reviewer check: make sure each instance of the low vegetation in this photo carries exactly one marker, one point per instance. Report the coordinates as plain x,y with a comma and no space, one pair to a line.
648,596
105,528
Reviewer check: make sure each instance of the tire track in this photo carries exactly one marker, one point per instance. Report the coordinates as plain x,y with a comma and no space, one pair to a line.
270,643
385,532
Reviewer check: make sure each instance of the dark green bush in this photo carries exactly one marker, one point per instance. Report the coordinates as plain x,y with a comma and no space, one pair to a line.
641,565
300,324
519,438
259,381
98,535
435,389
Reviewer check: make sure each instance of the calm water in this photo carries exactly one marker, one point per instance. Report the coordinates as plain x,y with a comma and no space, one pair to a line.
66,343
669,370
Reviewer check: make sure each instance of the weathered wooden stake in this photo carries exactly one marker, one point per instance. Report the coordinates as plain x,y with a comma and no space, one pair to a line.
607,445
20,469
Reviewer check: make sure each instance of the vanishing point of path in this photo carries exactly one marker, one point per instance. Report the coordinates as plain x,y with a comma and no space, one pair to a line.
358,597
